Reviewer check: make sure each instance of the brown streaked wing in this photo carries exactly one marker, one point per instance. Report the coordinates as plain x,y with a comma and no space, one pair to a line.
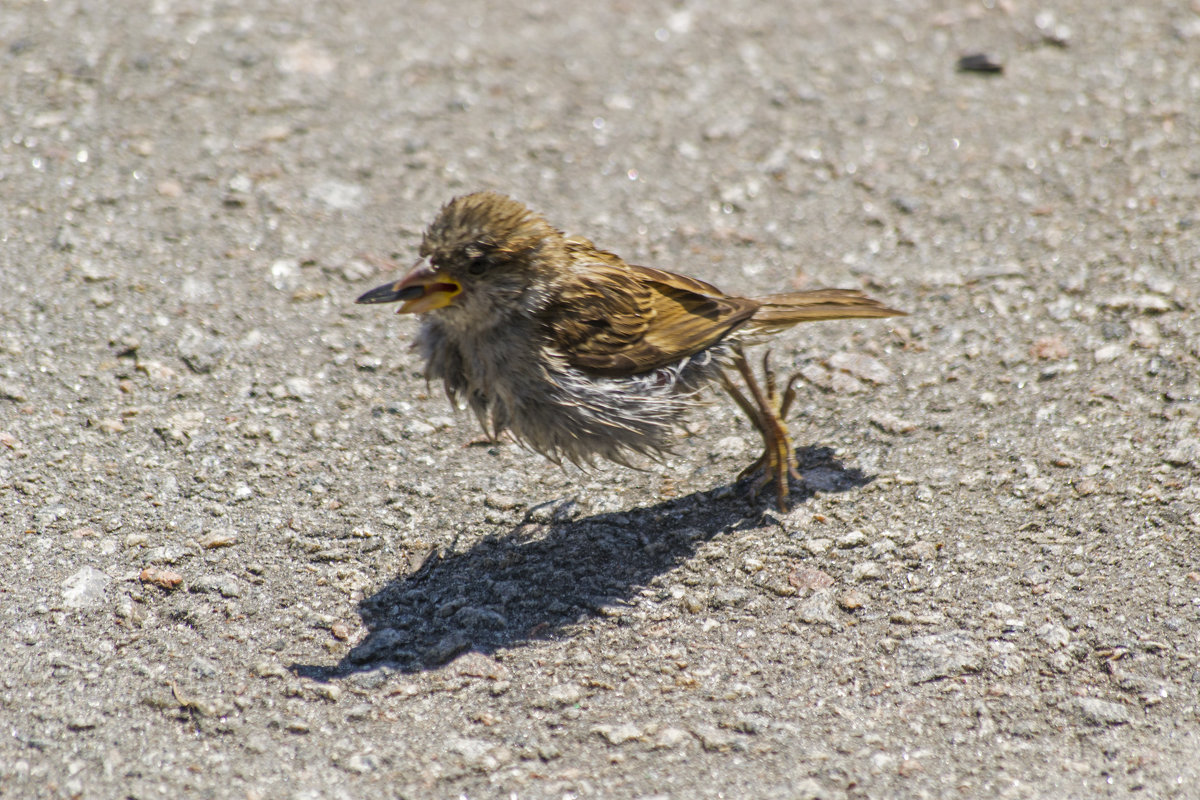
625,320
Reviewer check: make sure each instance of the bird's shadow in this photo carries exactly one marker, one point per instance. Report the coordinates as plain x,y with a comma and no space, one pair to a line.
549,572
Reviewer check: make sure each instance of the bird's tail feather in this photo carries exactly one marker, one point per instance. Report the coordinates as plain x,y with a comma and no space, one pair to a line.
790,308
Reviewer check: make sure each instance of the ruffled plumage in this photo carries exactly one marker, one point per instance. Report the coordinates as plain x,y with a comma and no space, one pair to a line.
581,355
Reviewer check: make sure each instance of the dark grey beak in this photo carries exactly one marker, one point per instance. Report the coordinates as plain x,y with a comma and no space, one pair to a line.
392,292
424,288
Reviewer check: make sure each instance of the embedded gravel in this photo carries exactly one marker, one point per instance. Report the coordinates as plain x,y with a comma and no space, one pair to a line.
252,554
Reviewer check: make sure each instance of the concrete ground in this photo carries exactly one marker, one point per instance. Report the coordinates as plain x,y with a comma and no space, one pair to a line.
251,554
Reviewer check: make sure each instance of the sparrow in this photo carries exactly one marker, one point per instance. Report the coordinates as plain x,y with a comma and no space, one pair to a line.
580,355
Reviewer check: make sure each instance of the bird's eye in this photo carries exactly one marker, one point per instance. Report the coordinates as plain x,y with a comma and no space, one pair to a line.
477,258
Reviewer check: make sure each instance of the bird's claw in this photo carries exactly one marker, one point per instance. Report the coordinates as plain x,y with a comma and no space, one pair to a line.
767,412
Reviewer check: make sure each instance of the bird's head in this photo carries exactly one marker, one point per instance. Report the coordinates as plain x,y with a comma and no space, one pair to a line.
484,252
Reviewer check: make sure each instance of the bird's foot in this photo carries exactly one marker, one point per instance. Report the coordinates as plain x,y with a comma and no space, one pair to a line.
492,439
775,467
767,412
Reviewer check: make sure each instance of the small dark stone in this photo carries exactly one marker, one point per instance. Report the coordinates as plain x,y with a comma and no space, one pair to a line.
1114,331
979,62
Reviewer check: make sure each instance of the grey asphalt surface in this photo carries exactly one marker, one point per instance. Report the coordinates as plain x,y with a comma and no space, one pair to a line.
249,552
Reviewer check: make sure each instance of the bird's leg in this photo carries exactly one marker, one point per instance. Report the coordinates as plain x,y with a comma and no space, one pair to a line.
789,395
755,418
766,413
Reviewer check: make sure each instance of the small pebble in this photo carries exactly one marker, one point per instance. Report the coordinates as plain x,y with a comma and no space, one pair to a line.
939,655
1101,712
810,578
853,539
890,423
866,571
669,738
501,502
618,734
559,695
1049,348
862,366
920,551
731,446
85,589
1056,637
817,546
169,188
980,63
1183,453
219,537
1145,333
298,388
163,578
224,584
716,740
818,609
852,600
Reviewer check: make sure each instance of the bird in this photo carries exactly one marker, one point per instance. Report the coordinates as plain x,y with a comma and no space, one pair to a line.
581,356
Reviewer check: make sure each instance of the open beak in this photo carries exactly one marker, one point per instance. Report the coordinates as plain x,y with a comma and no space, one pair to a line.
422,289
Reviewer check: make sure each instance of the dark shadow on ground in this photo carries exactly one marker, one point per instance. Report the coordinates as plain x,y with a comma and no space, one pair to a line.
543,576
